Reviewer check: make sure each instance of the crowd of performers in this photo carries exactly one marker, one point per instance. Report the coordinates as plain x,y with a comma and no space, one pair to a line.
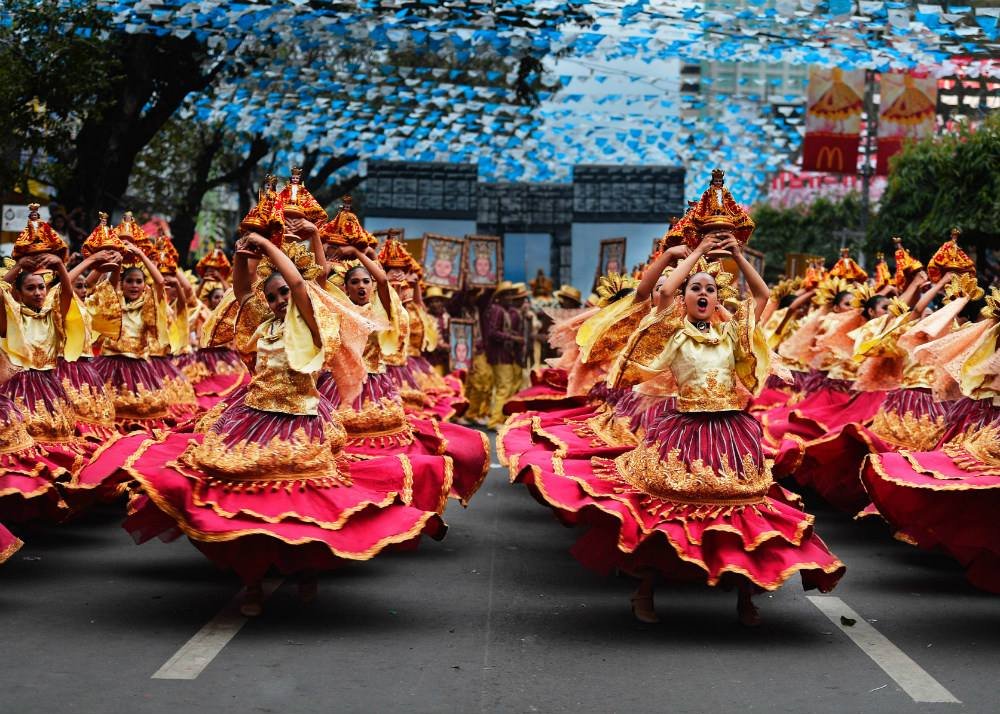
280,410
681,404
292,408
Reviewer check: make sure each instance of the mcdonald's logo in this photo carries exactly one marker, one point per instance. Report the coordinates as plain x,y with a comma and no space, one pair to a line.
830,158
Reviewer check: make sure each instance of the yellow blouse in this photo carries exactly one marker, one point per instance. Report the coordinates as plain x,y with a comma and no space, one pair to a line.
144,329
36,340
717,370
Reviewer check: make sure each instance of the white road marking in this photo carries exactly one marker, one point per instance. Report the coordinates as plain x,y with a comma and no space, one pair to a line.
198,652
910,676
496,466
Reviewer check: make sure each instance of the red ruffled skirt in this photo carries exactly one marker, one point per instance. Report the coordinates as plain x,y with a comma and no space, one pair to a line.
9,544
446,394
144,399
644,509
214,372
262,490
546,393
28,476
946,499
91,400
376,424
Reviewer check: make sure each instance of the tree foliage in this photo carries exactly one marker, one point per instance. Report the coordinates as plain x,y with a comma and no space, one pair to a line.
818,228
943,182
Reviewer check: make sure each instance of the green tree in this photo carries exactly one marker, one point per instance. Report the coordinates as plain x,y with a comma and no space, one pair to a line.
817,228
940,183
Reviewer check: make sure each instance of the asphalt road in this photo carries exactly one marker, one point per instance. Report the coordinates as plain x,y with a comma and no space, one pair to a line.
497,617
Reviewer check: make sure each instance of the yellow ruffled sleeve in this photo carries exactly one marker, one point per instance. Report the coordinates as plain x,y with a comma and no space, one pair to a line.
392,339
179,329
753,357
75,327
15,342
878,337
978,375
431,335
105,308
603,335
649,349
303,353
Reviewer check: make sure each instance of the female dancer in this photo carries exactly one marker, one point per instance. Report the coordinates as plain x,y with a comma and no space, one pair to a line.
690,501
267,485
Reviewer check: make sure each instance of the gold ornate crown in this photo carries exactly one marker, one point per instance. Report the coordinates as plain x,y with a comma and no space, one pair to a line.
103,237
446,250
167,257
848,269
296,196
882,275
215,259
906,265
38,237
299,254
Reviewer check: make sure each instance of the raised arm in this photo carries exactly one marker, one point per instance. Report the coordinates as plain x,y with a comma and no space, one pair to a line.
758,288
926,298
293,278
55,264
649,277
683,269
242,286
306,230
151,269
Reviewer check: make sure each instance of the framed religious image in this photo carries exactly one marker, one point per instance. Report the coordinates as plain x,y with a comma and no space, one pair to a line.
460,344
611,258
443,260
484,261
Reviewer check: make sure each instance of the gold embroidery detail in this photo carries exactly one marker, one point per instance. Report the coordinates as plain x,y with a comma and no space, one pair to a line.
711,394
978,451
91,405
674,480
907,431
380,423
44,425
297,459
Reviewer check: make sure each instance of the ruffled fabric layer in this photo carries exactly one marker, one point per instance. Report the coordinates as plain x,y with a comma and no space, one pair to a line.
376,424
253,525
141,393
765,542
9,544
91,400
946,499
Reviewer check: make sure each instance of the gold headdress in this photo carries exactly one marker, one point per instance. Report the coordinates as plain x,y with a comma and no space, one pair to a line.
299,254
785,288
103,237
131,232
725,282
848,269
341,269
906,265
296,196
815,274
38,237
828,288
950,258
206,287
963,285
167,256
898,307
863,292
613,287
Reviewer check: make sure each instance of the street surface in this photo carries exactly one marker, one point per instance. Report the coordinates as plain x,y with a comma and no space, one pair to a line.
497,617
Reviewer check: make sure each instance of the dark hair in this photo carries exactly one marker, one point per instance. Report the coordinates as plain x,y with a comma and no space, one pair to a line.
347,275
840,296
19,280
871,304
972,309
684,285
133,269
274,274
786,301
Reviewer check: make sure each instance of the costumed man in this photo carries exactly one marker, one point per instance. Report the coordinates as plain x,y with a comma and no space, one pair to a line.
473,305
505,341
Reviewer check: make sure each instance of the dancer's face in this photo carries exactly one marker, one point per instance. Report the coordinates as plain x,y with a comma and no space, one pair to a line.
843,304
214,298
701,296
170,286
80,287
659,297
277,293
359,287
33,291
133,283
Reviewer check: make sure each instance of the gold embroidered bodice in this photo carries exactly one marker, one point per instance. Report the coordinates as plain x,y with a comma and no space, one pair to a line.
36,339
717,370
142,329
275,386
